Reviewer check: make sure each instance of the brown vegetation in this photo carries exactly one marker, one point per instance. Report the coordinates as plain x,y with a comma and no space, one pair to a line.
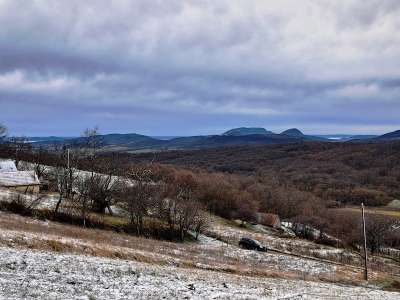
297,181
338,173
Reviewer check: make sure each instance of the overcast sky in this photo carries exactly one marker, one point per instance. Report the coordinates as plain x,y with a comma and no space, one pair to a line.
188,67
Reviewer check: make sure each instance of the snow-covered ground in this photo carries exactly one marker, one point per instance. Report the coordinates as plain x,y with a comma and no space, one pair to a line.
232,234
28,274
154,269
210,254
45,201
272,260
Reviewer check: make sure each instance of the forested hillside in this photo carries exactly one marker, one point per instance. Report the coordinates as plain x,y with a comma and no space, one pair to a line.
342,172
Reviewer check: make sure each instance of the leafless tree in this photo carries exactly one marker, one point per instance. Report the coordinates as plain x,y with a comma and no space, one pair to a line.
200,223
39,167
189,211
70,184
81,199
181,208
65,174
103,191
139,196
377,230
95,192
91,143
107,184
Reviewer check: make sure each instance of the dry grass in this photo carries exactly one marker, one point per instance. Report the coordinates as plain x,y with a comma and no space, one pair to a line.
60,237
386,211
27,232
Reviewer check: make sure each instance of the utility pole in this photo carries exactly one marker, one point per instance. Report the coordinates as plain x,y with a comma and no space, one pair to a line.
68,158
365,243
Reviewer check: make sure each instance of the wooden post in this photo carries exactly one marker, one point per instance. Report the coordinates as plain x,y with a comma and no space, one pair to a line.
68,158
365,243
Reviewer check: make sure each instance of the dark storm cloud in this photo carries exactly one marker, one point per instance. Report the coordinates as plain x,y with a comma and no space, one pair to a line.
187,67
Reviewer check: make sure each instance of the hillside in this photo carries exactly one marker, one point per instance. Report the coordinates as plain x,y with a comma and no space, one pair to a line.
329,170
68,262
133,142
293,132
85,277
296,133
395,135
247,131
124,141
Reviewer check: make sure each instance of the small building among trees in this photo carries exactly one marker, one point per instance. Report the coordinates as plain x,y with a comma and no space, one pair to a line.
23,181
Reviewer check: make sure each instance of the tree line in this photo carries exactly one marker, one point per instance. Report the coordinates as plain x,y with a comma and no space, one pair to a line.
300,184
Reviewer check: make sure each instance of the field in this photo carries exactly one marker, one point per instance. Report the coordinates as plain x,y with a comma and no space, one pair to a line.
382,210
47,260
33,274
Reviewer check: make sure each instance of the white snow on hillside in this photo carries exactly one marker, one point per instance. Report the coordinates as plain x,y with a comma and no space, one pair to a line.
27,274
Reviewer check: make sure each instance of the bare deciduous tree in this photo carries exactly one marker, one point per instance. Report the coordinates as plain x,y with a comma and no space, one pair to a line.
139,196
91,143
65,174
181,209
201,222
377,230
103,192
81,199
106,184
38,159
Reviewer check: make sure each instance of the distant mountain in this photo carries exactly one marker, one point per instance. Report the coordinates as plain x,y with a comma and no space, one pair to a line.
395,135
137,142
296,133
387,137
113,141
293,132
247,131
133,142
126,139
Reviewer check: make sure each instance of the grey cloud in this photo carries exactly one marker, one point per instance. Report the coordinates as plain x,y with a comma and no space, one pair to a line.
218,63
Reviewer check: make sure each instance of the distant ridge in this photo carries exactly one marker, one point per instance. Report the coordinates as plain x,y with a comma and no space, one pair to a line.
133,142
296,133
247,131
137,142
394,135
293,132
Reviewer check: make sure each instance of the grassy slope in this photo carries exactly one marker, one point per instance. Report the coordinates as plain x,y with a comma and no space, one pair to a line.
383,210
209,253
